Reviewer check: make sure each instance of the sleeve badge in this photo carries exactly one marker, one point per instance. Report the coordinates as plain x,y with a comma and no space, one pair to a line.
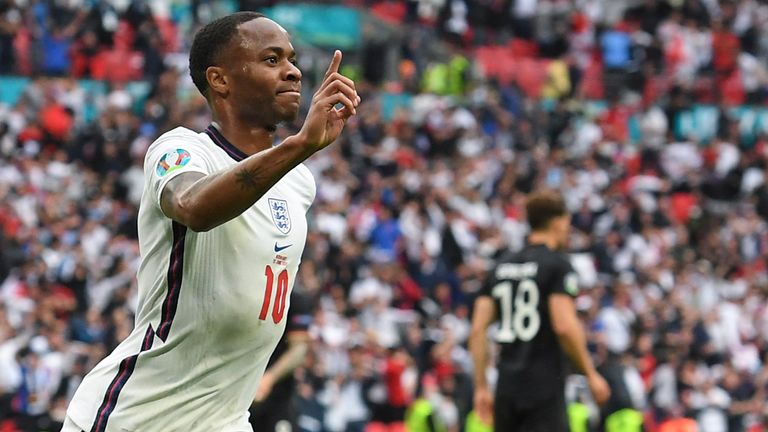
571,284
172,161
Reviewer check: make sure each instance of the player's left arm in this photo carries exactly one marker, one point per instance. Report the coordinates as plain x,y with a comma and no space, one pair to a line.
298,347
569,330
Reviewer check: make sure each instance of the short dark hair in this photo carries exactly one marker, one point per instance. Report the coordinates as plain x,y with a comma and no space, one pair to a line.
209,42
542,207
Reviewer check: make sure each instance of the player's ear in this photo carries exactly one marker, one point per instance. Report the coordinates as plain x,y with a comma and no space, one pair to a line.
217,80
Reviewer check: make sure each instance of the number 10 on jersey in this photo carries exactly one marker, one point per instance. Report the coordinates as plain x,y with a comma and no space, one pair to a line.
520,320
282,291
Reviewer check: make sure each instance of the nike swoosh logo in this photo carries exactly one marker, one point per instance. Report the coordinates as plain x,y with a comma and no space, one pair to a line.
279,248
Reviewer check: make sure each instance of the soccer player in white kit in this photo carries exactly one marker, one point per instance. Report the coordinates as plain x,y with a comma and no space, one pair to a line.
222,227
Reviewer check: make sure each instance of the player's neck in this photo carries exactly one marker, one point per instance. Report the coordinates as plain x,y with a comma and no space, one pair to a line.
248,139
543,238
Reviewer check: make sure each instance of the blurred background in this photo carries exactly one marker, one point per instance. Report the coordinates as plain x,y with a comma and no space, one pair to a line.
650,116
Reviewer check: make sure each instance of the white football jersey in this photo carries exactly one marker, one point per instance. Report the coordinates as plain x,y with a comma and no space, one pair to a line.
212,305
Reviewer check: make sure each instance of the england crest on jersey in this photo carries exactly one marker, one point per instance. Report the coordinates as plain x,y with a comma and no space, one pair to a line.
279,210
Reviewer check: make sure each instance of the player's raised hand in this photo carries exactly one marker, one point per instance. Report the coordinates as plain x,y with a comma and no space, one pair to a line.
324,121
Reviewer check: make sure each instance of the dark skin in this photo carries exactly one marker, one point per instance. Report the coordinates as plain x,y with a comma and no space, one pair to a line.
254,87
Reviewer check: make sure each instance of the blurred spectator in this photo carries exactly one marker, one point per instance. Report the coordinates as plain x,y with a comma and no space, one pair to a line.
10,20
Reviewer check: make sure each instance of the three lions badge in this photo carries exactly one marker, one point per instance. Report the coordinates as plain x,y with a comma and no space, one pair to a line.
280,216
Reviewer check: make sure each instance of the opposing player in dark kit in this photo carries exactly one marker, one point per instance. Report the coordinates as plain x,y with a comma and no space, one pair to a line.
531,294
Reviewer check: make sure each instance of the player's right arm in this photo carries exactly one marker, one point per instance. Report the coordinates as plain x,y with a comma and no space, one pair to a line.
573,341
483,315
202,202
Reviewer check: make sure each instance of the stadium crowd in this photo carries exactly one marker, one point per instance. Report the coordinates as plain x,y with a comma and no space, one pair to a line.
671,234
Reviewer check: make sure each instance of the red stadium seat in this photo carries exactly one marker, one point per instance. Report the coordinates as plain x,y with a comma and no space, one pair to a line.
8,426
523,48
655,87
376,427
488,57
124,36
592,82
392,12
531,75
169,33
507,69
703,89
732,89
117,66
98,66
679,425
397,427
382,427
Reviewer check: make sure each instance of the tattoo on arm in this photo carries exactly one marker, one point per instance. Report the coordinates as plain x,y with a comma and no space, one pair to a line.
248,179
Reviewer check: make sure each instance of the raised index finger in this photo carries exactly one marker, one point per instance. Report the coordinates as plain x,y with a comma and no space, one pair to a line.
335,62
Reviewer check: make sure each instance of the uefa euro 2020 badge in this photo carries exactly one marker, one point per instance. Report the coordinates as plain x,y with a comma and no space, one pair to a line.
172,161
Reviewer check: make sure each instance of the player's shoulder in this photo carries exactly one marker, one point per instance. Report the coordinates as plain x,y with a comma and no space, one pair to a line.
178,132
183,141
557,262
179,136
509,257
548,261
562,260
182,145
307,180
304,171
549,256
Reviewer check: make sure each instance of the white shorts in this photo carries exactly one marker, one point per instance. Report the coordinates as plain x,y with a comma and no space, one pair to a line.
70,426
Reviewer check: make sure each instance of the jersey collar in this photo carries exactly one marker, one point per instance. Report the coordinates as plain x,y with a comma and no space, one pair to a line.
225,145
537,246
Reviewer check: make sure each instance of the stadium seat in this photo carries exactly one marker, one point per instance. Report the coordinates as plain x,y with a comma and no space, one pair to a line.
591,83
732,89
118,66
11,89
489,59
169,34
703,88
124,36
376,427
509,69
655,87
383,427
523,48
139,90
679,425
530,75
